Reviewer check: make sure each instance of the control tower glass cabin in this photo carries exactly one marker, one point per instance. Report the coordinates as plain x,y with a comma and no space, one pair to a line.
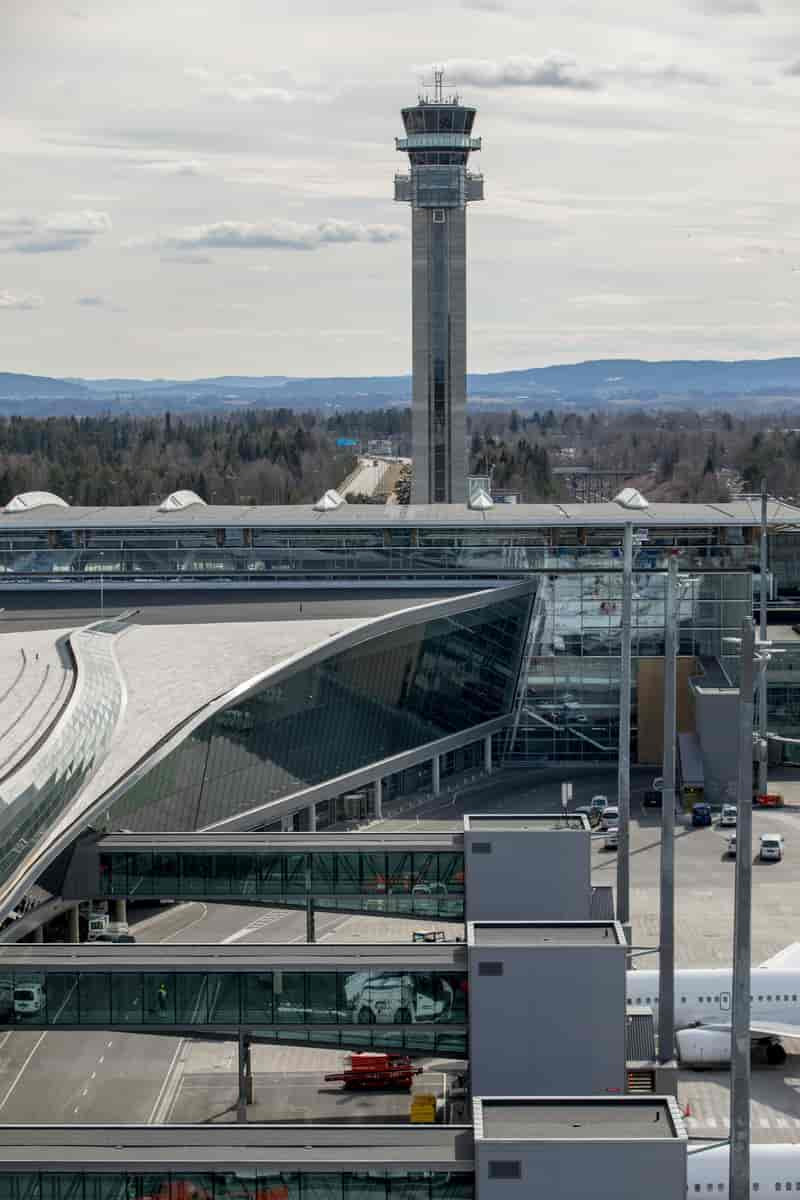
438,187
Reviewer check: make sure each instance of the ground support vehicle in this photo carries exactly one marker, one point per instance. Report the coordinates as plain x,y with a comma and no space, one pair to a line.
376,1071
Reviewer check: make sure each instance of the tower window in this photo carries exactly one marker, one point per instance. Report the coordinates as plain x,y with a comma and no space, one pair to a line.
438,216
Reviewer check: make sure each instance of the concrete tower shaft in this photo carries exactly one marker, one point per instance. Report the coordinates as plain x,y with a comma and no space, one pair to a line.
438,187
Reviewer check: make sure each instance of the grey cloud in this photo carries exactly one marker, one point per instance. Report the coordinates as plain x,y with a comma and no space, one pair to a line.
274,235
9,301
60,231
554,70
793,69
731,6
485,5
49,245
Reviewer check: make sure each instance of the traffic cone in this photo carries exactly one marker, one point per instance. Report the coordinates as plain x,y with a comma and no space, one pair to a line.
687,1112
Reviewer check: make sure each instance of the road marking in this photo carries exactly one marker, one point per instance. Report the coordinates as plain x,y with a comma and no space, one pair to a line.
167,1081
254,927
102,1058
191,924
109,1045
22,1069
93,1075
5,1038
75,1110
85,1092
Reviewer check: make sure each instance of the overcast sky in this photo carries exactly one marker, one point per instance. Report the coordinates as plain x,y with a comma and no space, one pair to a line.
197,188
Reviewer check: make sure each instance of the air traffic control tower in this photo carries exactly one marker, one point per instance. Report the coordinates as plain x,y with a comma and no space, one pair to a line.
438,187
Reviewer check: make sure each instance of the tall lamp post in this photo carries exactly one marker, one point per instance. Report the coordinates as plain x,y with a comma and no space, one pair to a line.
676,588
753,654
763,765
624,767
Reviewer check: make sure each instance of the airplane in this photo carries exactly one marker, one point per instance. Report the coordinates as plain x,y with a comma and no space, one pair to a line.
774,1168
703,1008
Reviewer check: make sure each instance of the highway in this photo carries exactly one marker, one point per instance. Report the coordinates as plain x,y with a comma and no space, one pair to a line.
23,611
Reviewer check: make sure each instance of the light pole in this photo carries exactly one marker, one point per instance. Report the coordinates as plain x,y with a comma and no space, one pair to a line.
101,581
666,912
763,765
752,655
666,940
624,767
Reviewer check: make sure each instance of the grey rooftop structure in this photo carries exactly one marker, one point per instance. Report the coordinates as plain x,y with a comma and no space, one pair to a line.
365,516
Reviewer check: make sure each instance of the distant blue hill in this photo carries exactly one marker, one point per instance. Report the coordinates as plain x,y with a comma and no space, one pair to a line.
597,383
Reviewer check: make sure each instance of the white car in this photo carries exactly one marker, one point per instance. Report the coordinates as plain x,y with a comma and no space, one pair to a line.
611,840
731,850
728,815
609,816
771,847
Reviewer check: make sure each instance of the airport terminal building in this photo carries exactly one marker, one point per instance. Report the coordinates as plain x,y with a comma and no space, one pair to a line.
220,761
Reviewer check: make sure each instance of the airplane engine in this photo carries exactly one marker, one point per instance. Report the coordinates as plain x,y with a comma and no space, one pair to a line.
773,1052
703,1047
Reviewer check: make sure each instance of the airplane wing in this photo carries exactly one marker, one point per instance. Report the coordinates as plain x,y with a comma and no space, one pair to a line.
775,1029
788,957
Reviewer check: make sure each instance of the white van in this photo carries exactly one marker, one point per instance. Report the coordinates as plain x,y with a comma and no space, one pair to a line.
394,997
28,999
771,847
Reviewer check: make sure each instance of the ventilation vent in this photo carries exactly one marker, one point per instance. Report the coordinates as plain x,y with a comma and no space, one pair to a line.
490,968
438,216
505,1169
24,501
631,498
177,501
330,501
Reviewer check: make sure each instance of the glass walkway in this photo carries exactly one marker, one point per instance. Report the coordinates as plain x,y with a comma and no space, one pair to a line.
378,874
343,996
230,1162
237,1185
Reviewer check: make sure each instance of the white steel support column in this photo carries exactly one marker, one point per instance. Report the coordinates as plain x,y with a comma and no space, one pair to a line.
487,754
763,762
436,774
739,1178
286,824
378,785
624,768
74,925
312,818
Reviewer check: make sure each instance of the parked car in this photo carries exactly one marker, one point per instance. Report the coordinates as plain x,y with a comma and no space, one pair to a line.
593,810
771,847
611,840
116,938
728,815
609,816
652,798
701,815
731,848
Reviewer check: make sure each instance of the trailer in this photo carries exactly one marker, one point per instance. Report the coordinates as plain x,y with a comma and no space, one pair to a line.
376,1071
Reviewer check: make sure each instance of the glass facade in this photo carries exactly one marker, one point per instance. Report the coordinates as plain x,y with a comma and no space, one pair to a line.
101,999
271,552
245,1184
571,708
387,695
35,796
411,883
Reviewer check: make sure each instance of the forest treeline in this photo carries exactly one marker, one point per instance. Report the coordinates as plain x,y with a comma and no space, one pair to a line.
286,457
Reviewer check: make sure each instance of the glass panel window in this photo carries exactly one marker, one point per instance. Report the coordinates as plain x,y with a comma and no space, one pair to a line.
258,998
223,998
94,992
127,999
290,997
321,997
